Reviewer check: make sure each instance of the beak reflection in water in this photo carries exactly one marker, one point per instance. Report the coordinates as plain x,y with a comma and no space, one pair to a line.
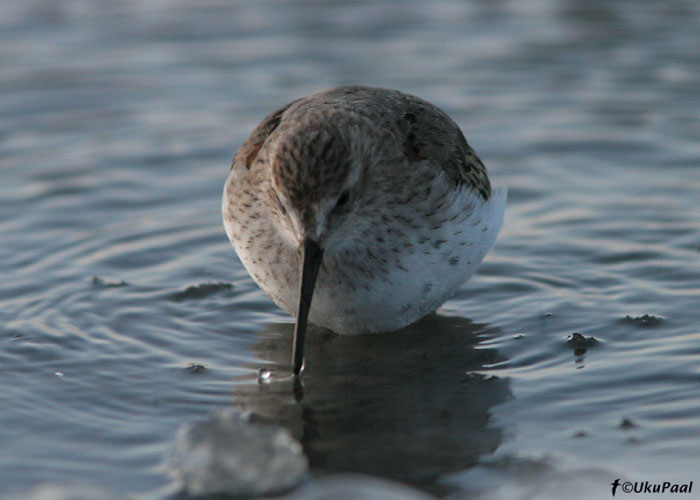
310,261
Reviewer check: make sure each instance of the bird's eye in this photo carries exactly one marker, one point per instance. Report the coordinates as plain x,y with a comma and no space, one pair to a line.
343,200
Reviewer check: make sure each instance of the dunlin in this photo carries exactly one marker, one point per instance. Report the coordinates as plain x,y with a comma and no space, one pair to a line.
368,200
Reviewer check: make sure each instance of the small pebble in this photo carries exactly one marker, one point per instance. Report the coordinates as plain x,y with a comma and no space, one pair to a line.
97,281
195,368
201,291
627,424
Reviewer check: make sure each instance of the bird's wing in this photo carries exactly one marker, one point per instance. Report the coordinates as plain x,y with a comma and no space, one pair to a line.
426,132
429,134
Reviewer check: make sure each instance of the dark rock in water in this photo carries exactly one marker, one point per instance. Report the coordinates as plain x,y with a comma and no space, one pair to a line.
200,291
646,320
101,282
627,424
581,344
195,368
227,454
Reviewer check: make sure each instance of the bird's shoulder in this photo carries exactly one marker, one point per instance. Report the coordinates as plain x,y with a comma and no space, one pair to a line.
424,130
428,133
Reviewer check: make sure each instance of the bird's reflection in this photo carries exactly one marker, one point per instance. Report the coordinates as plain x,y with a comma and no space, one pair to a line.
405,405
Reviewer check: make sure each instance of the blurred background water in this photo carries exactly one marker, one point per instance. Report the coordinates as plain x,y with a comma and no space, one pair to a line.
124,312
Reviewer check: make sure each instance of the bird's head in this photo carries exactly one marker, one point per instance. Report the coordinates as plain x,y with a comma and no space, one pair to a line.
316,174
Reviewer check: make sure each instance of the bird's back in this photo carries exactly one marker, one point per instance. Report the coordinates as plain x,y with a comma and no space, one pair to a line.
424,131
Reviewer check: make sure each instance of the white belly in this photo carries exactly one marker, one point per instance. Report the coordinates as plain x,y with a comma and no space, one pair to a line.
419,280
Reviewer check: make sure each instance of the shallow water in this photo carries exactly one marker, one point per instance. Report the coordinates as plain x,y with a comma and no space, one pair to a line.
124,313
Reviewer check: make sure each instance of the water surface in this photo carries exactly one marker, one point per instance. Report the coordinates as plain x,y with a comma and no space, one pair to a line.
118,122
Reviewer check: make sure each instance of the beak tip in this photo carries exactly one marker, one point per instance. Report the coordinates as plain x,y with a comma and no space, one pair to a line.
311,255
298,369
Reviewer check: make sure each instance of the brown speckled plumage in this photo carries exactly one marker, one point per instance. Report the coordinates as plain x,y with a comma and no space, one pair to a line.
424,131
387,184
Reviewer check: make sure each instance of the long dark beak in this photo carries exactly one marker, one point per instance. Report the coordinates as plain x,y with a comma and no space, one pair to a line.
311,254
